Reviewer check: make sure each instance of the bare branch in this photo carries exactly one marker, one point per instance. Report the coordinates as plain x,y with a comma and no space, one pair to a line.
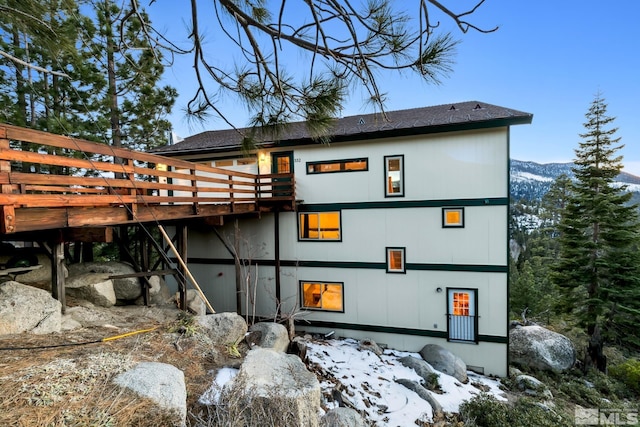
32,66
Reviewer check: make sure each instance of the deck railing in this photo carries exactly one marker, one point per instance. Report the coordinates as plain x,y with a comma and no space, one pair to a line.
43,170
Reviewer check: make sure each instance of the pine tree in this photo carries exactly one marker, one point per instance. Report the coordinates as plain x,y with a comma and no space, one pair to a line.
598,269
132,100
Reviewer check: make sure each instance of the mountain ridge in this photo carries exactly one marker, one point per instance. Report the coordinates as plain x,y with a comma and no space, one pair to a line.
530,181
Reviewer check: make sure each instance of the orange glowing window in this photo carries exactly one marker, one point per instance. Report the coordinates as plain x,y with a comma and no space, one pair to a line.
395,260
319,226
349,165
322,296
394,175
461,304
453,217
223,163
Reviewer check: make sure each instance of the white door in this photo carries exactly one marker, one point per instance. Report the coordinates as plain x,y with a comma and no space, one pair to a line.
462,314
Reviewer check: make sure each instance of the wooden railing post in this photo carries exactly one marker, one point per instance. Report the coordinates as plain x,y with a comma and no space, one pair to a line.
194,191
230,192
8,223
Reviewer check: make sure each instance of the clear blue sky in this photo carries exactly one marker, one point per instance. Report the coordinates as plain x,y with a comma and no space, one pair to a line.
548,58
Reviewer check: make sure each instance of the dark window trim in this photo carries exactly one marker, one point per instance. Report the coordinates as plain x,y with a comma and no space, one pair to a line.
404,259
386,176
444,219
328,162
475,320
304,307
300,239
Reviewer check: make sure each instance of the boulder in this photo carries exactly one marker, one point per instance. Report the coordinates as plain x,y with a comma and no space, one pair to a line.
159,293
540,348
160,382
269,335
126,289
424,371
444,361
96,288
223,328
369,345
27,309
195,303
281,386
342,417
68,323
423,393
42,274
533,387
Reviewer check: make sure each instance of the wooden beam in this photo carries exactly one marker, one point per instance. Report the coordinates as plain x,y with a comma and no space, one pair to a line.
88,234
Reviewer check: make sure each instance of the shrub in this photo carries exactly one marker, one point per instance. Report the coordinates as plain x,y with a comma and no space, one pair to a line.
629,373
486,411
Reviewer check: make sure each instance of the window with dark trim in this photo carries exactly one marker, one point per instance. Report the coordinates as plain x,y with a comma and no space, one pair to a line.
395,260
394,176
332,166
319,226
462,314
325,296
453,217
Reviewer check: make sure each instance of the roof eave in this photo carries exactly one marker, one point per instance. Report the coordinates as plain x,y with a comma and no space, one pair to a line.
378,134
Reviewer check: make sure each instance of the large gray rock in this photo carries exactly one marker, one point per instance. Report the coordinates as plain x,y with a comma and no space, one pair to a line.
281,384
533,386
160,382
423,369
195,303
269,335
159,293
27,309
96,288
444,361
342,417
423,393
39,275
223,328
126,289
540,348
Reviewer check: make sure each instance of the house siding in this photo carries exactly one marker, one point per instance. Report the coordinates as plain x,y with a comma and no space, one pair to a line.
467,169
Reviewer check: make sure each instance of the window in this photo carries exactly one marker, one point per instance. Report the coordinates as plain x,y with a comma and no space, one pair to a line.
319,226
348,165
395,260
453,217
223,163
394,175
322,296
463,322
247,161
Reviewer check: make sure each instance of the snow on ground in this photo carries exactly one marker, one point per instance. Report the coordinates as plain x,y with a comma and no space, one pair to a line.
368,381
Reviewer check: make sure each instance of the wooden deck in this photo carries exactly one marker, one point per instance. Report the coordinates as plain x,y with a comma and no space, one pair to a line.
58,182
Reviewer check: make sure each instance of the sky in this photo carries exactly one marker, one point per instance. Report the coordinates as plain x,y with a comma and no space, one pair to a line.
548,57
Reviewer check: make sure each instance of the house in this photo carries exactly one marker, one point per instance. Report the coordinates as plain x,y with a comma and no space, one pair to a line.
399,232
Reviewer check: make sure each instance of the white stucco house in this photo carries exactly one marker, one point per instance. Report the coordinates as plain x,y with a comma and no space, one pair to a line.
399,231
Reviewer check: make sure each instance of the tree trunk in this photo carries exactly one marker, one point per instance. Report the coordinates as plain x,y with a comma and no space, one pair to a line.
595,357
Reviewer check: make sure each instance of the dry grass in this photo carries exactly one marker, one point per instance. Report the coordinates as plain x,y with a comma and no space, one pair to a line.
72,386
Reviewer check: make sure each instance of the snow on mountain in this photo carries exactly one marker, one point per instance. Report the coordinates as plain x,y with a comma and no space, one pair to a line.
530,181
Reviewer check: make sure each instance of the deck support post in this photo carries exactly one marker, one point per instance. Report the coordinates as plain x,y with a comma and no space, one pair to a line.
57,274
276,249
181,234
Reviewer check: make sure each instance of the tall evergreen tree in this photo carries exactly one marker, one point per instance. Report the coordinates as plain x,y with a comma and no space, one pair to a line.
133,100
598,270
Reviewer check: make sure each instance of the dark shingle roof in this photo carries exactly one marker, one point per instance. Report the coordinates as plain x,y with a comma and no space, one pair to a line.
416,121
